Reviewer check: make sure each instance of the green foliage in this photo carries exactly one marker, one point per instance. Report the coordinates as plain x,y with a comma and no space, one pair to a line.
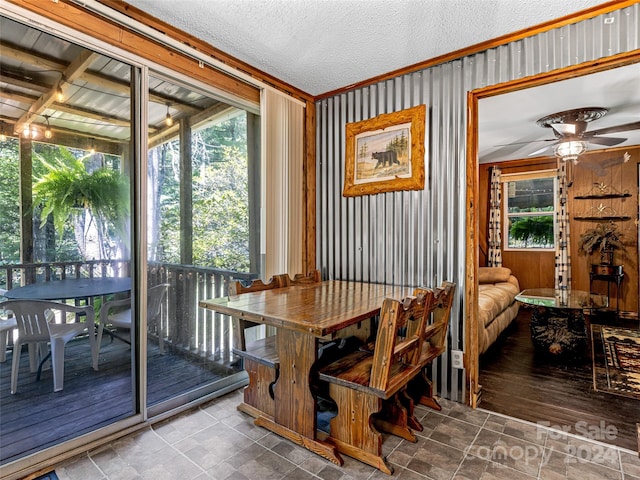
220,198
537,230
67,188
9,202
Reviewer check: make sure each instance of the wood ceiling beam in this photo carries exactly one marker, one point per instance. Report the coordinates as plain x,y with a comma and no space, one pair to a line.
102,81
21,82
69,75
30,57
75,139
62,107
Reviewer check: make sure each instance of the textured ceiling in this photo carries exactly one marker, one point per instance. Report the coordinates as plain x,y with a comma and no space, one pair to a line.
323,45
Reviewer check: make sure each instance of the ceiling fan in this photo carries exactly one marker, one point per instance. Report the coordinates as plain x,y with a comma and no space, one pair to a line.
572,136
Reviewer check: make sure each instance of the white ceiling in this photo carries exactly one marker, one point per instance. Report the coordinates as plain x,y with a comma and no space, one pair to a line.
323,45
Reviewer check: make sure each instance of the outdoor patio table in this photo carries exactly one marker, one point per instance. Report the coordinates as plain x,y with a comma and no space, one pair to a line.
302,315
71,288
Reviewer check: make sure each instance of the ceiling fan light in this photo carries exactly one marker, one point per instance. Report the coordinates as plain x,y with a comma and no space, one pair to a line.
570,150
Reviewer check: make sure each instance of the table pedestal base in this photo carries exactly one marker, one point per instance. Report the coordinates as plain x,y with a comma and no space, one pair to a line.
559,333
319,447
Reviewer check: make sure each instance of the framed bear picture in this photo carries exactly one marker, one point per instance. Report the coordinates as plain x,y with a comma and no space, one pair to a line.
385,153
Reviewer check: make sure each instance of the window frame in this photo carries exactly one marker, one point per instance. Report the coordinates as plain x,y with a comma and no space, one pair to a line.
515,177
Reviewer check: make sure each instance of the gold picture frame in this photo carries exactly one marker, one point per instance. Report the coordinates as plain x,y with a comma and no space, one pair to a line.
385,153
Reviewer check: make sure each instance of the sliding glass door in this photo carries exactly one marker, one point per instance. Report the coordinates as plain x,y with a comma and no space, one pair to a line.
169,225
200,166
65,233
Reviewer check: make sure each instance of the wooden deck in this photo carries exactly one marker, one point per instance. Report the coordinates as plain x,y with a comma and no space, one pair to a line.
36,417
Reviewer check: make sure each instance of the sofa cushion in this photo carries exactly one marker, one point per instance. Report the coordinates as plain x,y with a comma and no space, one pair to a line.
493,299
493,274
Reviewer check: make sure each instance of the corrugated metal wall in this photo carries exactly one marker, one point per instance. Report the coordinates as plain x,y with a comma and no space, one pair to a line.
418,238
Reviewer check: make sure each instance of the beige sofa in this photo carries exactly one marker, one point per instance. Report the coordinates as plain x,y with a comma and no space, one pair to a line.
497,305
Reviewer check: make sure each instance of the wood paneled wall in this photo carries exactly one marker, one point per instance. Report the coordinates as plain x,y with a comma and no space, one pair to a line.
621,177
536,269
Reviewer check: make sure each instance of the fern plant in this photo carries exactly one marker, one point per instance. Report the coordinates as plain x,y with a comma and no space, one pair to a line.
604,238
67,190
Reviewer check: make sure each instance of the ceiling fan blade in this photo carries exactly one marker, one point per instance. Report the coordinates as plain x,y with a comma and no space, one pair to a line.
608,141
618,128
527,142
564,128
540,150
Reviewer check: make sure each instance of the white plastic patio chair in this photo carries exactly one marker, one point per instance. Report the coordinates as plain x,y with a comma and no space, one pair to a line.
40,322
117,314
7,326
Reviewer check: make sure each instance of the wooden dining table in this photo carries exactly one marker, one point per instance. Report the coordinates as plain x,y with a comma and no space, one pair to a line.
302,315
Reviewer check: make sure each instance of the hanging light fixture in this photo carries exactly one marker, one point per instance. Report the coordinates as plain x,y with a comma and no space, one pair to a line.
168,120
570,150
3,135
59,91
47,132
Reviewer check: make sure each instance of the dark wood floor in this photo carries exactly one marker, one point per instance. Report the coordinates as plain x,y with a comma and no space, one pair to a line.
517,383
36,417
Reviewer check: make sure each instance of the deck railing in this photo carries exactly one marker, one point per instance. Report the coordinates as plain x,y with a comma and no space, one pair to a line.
187,327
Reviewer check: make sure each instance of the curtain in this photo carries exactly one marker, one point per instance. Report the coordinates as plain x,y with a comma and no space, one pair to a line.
282,187
494,255
563,259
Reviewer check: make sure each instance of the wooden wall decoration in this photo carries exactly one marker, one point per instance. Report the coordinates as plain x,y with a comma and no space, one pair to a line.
611,195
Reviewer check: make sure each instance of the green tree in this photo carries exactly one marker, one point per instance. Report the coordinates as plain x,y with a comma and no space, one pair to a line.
9,201
220,236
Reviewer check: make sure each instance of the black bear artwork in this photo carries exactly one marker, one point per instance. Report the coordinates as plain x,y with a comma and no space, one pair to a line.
389,157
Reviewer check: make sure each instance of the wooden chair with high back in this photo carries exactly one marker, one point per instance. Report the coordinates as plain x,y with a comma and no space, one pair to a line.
301,278
420,389
361,381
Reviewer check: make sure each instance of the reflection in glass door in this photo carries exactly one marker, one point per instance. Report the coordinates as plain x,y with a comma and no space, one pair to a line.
200,208
65,187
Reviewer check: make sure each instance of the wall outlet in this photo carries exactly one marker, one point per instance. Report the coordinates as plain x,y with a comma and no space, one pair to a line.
457,359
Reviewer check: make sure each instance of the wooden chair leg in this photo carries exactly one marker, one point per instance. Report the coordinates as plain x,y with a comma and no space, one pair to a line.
394,419
352,431
421,390
407,402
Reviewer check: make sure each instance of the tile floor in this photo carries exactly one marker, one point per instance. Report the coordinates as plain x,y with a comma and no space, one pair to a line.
218,442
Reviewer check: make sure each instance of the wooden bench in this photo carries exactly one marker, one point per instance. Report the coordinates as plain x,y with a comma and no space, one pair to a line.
420,389
361,381
260,357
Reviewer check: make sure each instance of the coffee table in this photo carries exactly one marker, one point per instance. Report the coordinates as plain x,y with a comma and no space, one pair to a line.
558,328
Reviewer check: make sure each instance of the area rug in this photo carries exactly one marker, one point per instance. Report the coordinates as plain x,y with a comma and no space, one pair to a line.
616,360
